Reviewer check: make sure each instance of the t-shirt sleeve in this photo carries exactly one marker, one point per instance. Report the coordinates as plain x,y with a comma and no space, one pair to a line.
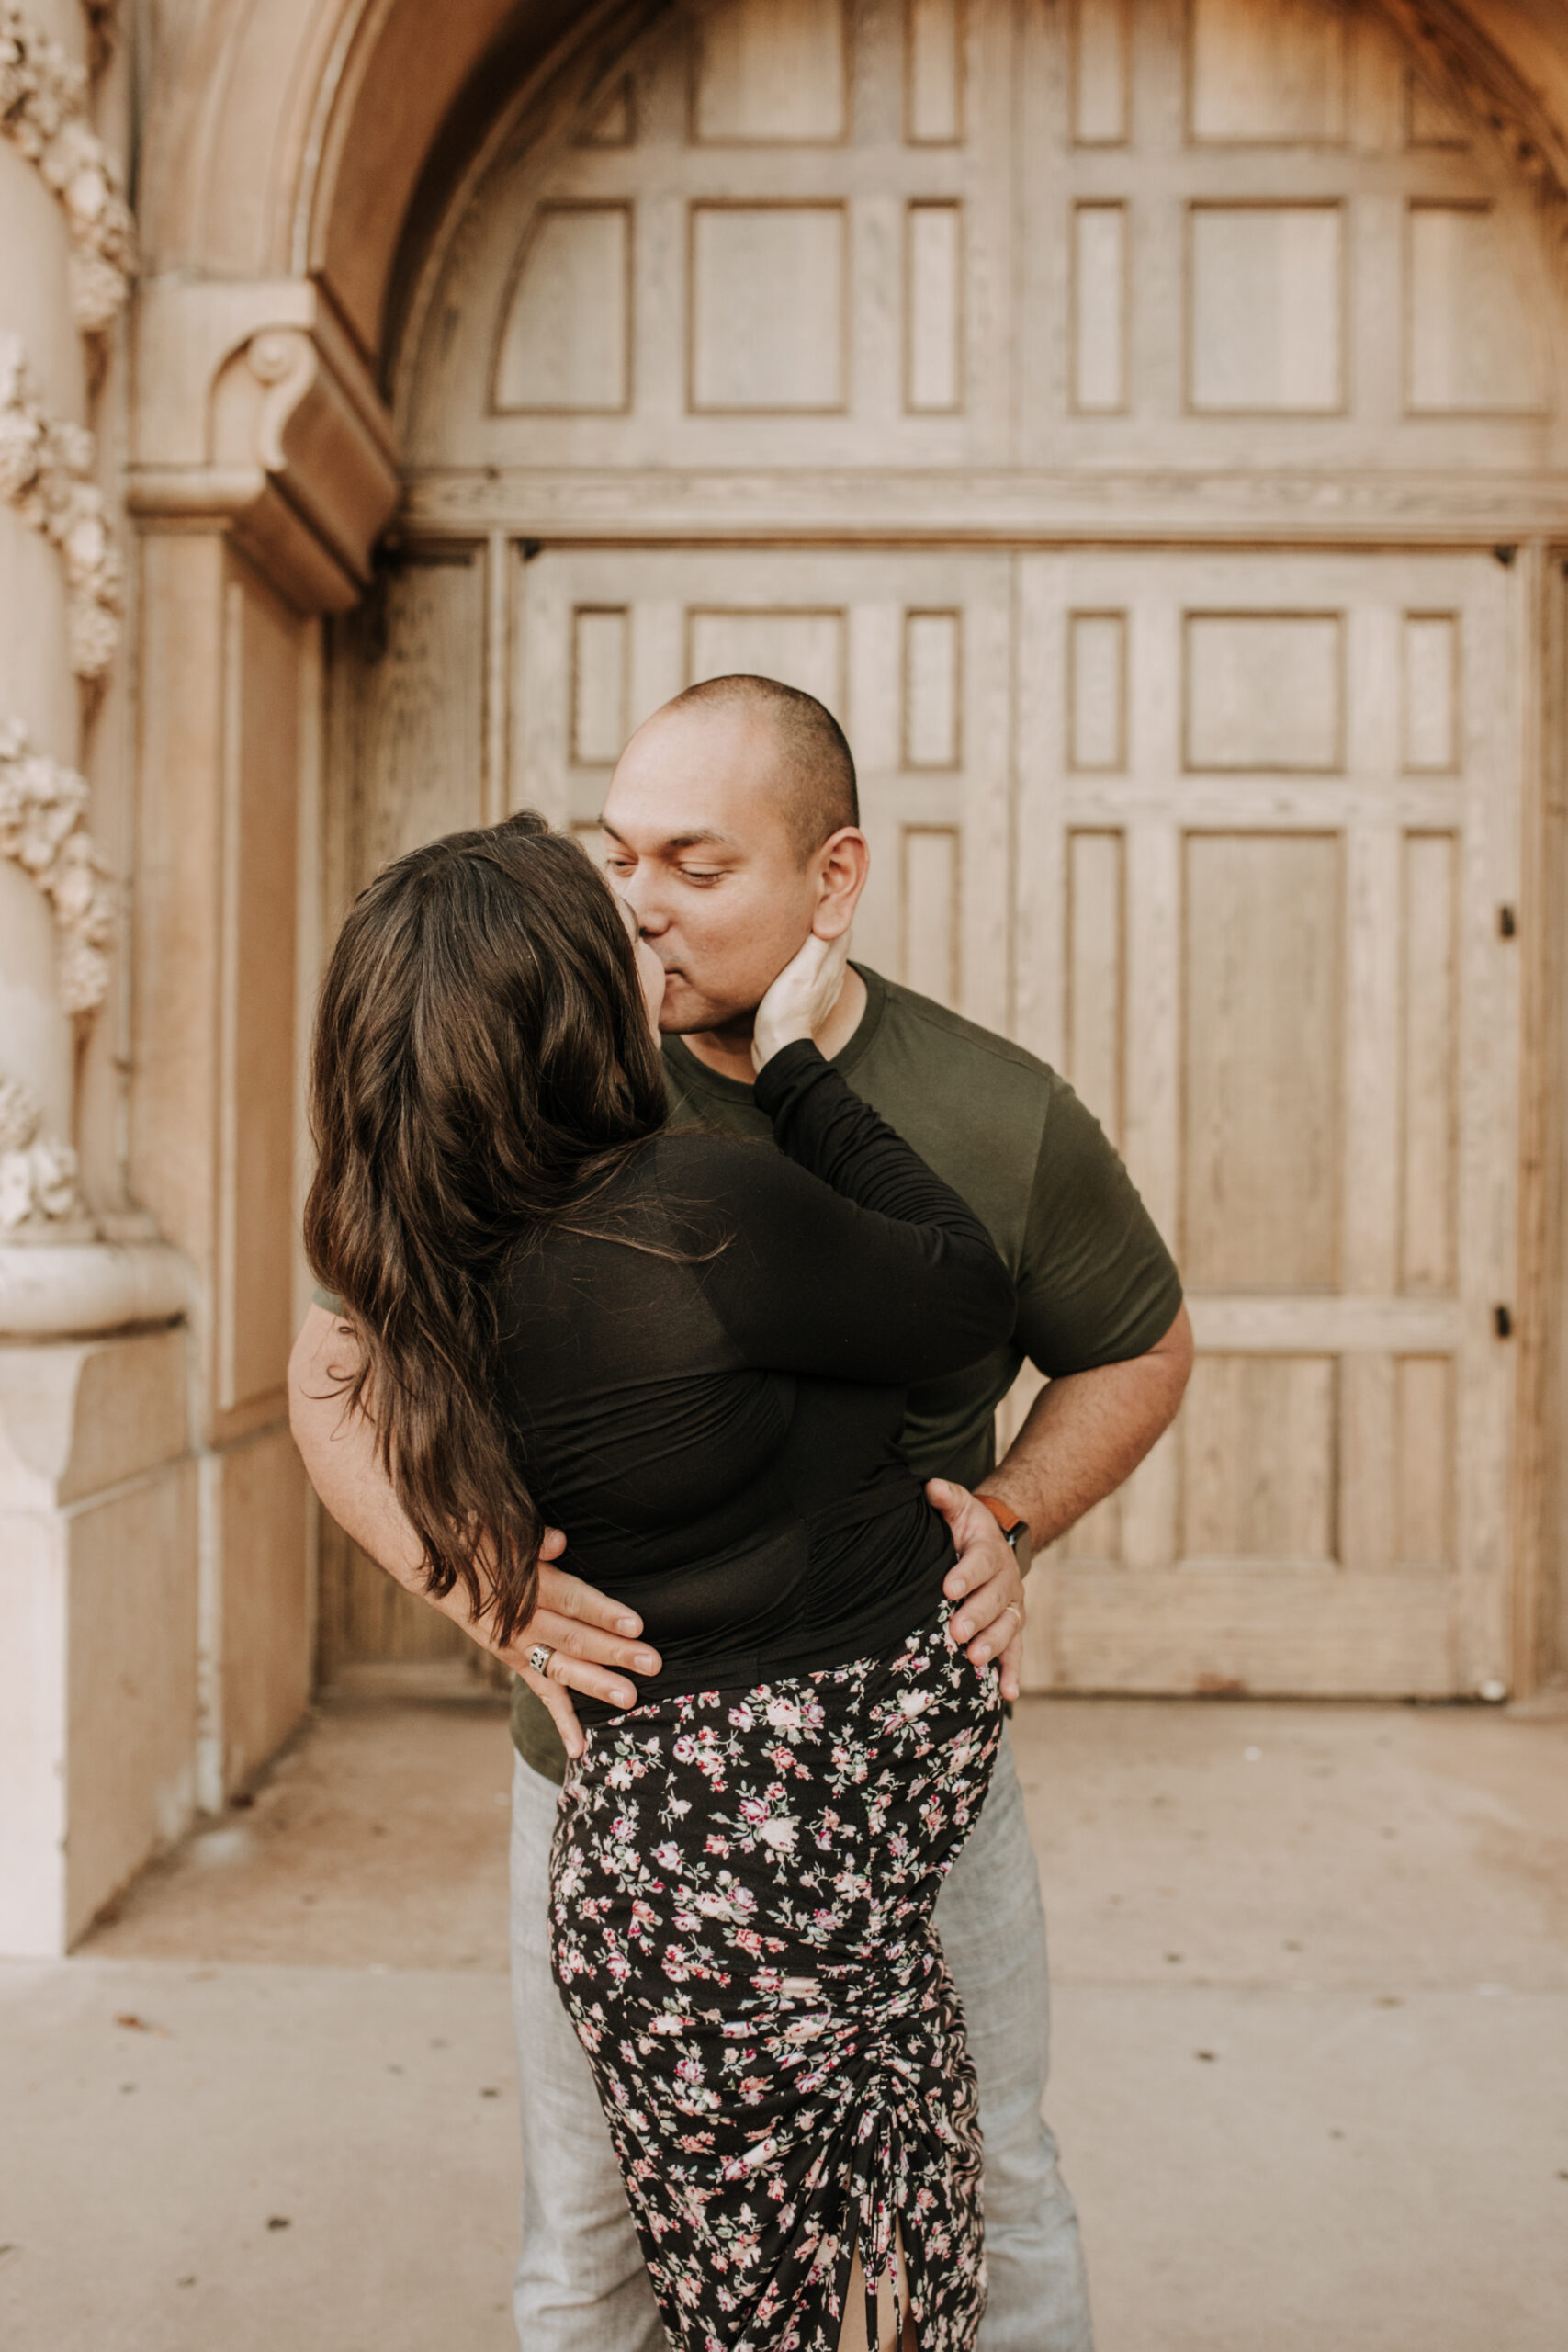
844,1255
1096,1283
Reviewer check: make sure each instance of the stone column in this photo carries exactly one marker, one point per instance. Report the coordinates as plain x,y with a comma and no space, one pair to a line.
97,1530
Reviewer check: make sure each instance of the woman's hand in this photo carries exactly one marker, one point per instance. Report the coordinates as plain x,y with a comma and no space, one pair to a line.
589,1636
801,999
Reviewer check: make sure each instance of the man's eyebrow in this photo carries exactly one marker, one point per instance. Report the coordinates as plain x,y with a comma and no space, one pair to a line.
701,838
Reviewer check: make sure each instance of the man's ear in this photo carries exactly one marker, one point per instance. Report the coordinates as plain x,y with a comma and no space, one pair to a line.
843,866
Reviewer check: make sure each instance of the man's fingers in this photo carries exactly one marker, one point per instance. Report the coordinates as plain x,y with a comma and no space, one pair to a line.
991,1616
1011,1667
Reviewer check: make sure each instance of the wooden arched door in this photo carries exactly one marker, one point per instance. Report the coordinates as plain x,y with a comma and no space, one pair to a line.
1112,412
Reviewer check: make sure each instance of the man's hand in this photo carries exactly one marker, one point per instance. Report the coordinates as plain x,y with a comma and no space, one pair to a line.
591,1638
986,1578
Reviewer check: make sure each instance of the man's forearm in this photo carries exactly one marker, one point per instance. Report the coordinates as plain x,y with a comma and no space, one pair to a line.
1087,1431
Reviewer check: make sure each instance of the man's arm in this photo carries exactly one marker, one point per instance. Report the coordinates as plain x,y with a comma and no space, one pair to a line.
1084,1434
590,1636
1087,1431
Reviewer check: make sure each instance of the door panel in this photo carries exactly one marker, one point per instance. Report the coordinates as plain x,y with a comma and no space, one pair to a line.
1263,939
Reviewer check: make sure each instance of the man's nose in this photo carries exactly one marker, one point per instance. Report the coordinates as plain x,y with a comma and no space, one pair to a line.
642,896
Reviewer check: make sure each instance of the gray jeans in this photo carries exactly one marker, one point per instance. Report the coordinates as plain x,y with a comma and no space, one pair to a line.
580,2285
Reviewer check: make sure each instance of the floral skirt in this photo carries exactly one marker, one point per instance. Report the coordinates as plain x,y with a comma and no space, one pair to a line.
741,1889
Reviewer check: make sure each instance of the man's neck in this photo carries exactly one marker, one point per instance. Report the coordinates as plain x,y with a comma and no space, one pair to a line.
727,1051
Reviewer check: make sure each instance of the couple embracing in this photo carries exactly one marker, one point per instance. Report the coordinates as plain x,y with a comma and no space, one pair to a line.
643,1214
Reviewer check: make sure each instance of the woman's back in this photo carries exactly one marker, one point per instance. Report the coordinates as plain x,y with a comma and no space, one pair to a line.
706,1373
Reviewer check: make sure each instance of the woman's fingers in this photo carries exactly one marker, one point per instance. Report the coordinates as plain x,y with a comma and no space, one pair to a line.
802,996
586,1643
575,1617
591,1641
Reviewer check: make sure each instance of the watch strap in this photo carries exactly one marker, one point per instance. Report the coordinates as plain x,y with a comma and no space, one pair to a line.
1007,1518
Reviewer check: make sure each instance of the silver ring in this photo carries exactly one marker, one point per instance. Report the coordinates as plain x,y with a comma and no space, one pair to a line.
1016,1611
539,1657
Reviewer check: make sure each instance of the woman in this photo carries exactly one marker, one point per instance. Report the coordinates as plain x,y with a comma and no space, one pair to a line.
690,1352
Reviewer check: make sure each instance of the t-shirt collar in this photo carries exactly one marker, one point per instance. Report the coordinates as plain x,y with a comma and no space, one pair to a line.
696,1077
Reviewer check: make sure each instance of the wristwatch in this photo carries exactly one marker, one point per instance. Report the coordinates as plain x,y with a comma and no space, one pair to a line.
1015,1530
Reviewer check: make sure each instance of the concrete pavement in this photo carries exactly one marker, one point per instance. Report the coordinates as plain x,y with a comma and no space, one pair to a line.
1311,2043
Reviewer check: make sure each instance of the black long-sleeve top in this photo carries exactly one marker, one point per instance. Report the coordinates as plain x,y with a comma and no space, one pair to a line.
706,1376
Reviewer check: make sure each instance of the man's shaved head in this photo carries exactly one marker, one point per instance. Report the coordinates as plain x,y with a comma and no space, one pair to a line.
814,777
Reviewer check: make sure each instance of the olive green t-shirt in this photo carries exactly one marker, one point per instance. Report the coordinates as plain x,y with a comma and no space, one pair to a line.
1096,1283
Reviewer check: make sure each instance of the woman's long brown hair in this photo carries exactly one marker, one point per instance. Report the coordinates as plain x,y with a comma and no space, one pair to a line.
481,1066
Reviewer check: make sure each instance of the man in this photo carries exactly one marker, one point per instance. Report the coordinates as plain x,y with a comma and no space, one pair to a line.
733,834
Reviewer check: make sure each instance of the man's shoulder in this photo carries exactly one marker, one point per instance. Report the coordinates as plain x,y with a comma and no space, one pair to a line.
915,1028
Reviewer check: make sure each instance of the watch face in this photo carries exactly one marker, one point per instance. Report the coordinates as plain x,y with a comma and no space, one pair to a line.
1022,1544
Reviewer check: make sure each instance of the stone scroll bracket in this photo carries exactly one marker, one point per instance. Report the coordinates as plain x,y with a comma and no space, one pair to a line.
260,416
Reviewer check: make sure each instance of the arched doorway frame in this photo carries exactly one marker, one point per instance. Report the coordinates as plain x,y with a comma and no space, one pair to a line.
296,156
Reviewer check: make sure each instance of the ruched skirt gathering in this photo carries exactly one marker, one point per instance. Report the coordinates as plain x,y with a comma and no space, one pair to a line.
741,1887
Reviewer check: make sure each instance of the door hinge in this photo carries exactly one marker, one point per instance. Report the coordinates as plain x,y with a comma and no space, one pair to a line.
1507,922
1503,1322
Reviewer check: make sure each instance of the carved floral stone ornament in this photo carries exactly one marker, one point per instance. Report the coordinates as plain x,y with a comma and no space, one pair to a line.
43,108
46,472
37,1172
43,827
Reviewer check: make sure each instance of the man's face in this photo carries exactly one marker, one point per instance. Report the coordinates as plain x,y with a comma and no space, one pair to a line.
700,851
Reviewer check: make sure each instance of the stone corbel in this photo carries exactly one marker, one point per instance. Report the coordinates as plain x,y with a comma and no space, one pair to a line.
296,455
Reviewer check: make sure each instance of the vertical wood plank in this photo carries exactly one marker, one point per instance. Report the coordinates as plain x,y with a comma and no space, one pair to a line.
932,689
1097,692
1096,1011
1372,979
1426,1065
1430,681
930,901
933,368
1100,309
934,73
1100,73
599,664
1261,1061
1424,1458
1366,1469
